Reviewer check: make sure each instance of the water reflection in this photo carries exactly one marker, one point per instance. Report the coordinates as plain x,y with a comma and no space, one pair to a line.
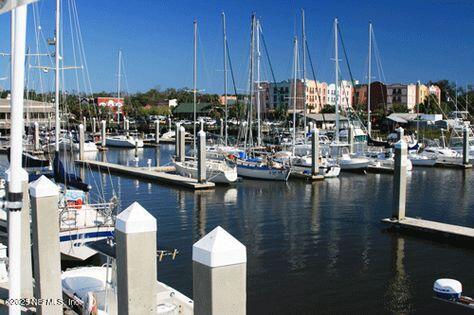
398,293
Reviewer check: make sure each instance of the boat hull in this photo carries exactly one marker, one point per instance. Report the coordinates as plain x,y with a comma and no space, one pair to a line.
263,173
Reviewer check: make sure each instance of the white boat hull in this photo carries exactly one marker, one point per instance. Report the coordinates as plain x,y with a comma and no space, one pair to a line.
263,173
213,174
124,142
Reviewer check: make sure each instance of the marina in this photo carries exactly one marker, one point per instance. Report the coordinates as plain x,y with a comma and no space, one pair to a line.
315,194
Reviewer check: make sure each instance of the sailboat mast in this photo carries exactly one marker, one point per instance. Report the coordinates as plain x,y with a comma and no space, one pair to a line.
257,34
224,33
194,86
252,56
303,45
336,89
295,69
56,76
119,79
369,79
15,189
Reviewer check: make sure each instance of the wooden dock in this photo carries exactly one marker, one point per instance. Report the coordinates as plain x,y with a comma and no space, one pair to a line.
432,227
156,174
379,169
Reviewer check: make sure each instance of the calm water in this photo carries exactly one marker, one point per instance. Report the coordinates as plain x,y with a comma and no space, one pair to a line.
312,247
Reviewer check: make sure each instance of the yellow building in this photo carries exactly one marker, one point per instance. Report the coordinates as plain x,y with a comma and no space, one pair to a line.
422,93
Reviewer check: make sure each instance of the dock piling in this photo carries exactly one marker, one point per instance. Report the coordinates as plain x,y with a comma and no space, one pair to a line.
44,196
26,262
314,152
157,132
36,137
465,145
182,147
350,138
135,235
176,140
81,142
400,133
201,157
221,124
84,122
219,274
201,122
103,132
170,125
400,180
94,129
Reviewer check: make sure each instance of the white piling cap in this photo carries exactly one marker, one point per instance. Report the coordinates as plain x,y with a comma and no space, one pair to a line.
401,144
201,133
23,174
181,128
135,219
43,187
218,249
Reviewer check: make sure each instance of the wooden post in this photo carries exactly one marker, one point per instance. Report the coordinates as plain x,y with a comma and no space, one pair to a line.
135,235
219,274
400,180
201,156
84,122
46,253
221,124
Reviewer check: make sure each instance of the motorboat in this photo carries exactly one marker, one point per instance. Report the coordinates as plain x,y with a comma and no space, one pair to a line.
94,289
122,141
303,165
421,160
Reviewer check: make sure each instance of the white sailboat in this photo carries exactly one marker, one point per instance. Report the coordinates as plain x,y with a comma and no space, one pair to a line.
340,154
217,170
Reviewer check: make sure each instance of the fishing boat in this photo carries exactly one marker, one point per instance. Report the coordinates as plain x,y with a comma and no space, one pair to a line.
122,141
217,171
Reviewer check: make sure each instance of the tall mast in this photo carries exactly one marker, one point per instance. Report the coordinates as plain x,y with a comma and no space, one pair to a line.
303,45
336,90
257,34
295,69
194,86
252,56
56,77
224,33
369,123
16,173
119,79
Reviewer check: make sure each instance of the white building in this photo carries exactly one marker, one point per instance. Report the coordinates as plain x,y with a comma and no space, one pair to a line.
345,94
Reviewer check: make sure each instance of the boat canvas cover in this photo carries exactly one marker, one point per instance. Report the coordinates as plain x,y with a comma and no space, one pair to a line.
448,287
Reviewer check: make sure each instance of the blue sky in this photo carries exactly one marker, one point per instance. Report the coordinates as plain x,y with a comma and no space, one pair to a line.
417,39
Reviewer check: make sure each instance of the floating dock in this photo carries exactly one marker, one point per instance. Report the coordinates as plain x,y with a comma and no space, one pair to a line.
433,227
379,169
156,174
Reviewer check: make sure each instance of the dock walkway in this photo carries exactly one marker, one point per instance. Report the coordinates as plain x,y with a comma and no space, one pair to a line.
154,174
444,229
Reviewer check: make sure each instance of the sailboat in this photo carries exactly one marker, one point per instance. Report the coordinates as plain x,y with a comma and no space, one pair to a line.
257,167
217,170
339,151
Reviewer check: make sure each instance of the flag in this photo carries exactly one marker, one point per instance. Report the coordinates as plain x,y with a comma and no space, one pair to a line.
8,5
